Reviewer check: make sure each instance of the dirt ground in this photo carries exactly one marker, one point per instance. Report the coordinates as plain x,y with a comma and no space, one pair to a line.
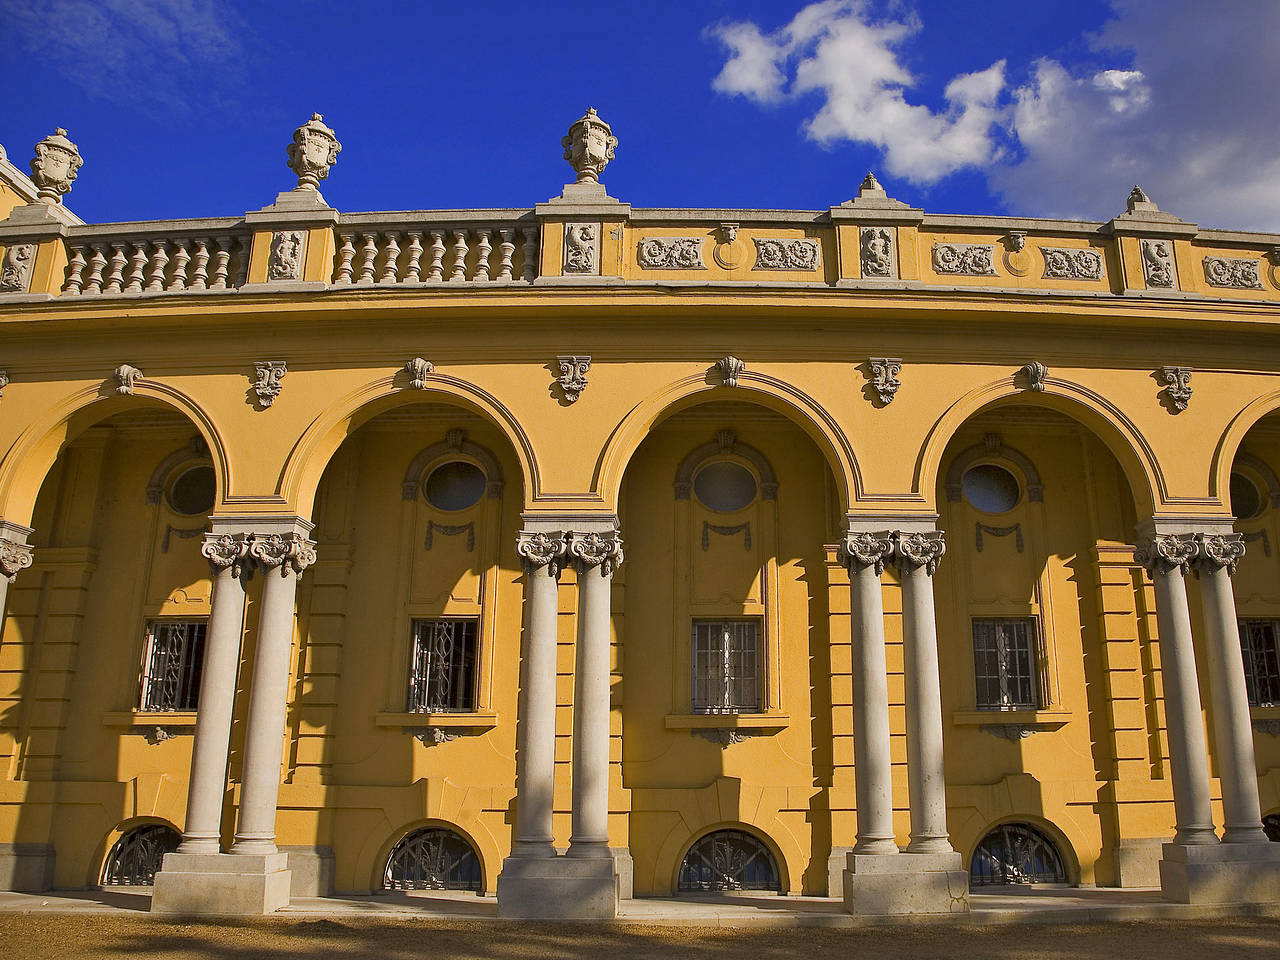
100,937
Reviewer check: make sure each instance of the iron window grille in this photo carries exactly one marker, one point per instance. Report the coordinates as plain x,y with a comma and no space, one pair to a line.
727,674
728,860
442,678
432,859
1261,661
1004,664
172,665
1016,853
136,856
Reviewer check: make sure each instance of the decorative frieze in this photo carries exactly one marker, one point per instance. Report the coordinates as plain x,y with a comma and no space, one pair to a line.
603,550
1157,263
783,254
418,369
582,248
14,557
284,551
267,385
573,376
1219,550
1241,274
884,377
964,259
919,549
730,369
878,253
1068,263
226,550
15,274
1034,374
286,255
867,550
1164,552
672,253
313,152
542,550
126,376
589,146
55,167
1177,386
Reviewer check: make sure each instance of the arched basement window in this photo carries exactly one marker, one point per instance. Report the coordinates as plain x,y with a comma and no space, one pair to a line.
136,856
1016,853
432,859
728,860
1271,827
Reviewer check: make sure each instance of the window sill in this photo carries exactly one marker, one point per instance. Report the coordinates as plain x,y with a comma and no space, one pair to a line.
471,721
727,721
1266,720
157,718
1012,724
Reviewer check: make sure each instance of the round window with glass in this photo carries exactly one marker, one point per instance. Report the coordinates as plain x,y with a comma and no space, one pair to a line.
991,488
1246,499
724,486
454,486
193,491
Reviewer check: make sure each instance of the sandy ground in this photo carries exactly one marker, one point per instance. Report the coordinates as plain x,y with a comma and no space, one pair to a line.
98,937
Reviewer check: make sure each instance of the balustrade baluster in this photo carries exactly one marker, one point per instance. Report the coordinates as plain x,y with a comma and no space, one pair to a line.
459,255
97,263
506,247
159,261
530,253
484,245
370,252
435,272
221,263
115,279
74,269
137,264
390,268
242,261
412,268
200,273
181,257
345,256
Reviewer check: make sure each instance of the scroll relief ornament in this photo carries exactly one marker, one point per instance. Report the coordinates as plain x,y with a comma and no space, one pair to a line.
417,368
267,385
14,557
672,253
1071,264
542,550
582,248
1218,551
226,551
603,550
919,550
730,369
1035,373
877,249
1157,263
1165,552
286,255
781,254
55,167
884,377
964,259
126,375
313,152
1232,272
15,275
867,550
431,736
589,146
4,381
573,376
285,551
1177,386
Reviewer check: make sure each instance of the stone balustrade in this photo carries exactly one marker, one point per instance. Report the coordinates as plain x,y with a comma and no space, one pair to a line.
149,258
436,248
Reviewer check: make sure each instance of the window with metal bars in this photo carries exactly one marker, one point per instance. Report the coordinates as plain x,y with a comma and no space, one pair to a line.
727,666
1261,661
172,665
1004,663
442,676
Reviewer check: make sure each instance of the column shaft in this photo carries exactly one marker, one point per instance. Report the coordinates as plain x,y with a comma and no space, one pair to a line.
590,834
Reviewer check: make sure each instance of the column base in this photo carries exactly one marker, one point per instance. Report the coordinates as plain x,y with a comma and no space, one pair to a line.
221,884
558,888
1221,873
905,884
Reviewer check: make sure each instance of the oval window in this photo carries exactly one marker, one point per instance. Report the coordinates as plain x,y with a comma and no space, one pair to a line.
194,491
724,486
1246,501
454,486
991,489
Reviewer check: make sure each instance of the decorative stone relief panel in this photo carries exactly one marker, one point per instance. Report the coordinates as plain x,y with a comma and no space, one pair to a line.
964,259
1177,386
1062,263
1157,263
780,254
582,248
672,253
1232,272
878,252
286,255
267,385
15,275
573,376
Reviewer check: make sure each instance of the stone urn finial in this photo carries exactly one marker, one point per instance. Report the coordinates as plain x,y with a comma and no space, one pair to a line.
313,151
588,146
55,166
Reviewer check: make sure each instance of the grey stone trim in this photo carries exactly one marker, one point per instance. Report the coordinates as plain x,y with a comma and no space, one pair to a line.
312,869
26,867
455,442
725,443
993,446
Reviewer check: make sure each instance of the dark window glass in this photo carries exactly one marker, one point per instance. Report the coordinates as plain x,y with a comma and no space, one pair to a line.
727,674
432,859
194,491
1271,827
443,674
174,662
1016,853
136,856
1261,661
728,860
455,485
724,486
1004,664
1246,502
991,489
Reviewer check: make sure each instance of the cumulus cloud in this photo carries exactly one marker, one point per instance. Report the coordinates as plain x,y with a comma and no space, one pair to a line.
1177,97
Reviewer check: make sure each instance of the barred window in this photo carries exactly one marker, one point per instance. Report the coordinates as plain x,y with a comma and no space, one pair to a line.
1261,661
443,674
726,666
172,665
1004,664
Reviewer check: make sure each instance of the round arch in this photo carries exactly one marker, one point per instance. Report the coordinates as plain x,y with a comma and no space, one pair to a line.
1065,849
1233,437
780,861
1111,425
27,463
776,395
98,864
486,853
307,462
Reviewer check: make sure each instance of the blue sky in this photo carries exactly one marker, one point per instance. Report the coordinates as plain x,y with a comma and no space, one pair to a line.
184,107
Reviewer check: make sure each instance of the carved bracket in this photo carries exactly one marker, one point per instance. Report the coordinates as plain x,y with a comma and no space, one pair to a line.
730,369
884,377
418,369
724,735
1177,386
1009,731
266,387
4,381
430,736
1034,375
573,377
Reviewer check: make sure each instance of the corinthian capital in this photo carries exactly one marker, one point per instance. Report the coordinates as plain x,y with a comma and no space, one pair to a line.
290,551
919,549
226,550
867,550
1218,550
1164,552
542,550
603,550
14,556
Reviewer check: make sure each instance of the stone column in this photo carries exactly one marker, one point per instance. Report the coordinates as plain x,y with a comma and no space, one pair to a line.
15,555
228,557
282,559
917,556
1167,558
535,769
865,554
597,556
1216,559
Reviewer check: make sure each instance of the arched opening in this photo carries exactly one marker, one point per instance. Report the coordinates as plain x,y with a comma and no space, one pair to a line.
1016,854
433,858
1271,827
134,859
729,861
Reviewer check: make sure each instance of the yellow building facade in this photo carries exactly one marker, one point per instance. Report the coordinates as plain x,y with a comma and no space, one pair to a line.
865,553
